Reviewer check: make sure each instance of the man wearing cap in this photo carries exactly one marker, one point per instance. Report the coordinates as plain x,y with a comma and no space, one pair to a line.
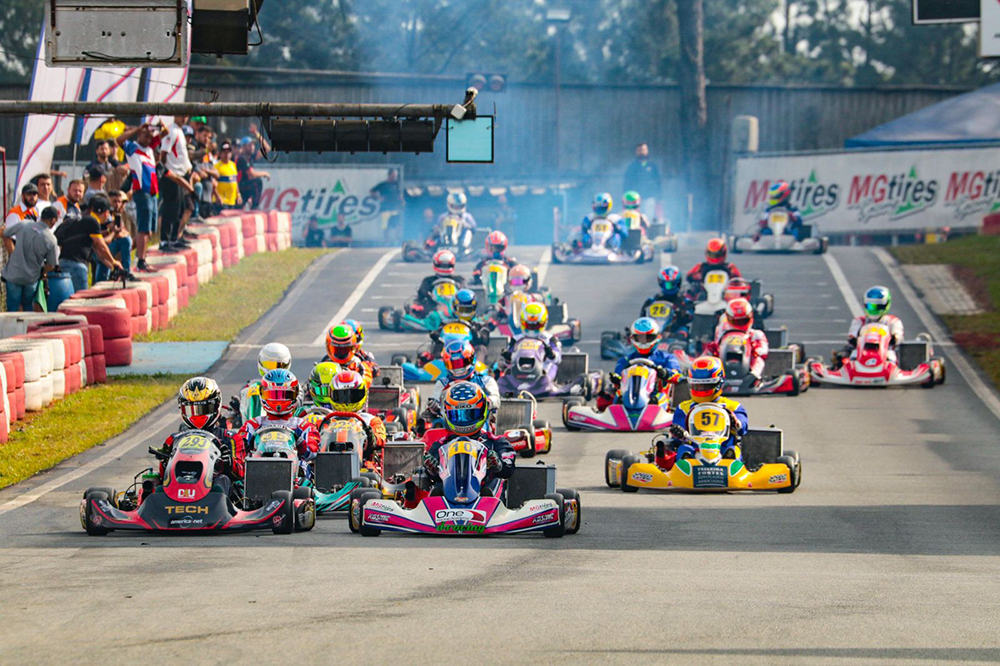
251,180
78,239
140,153
227,188
27,208
35,251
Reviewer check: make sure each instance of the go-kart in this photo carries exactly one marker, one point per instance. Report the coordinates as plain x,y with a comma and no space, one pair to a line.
191,498
774,239
710,303
426,365
638,405
529,370
615,344
397,405
464,503
761,463
783,373
872,364
506,320
420,317
633,250
452,236
517,421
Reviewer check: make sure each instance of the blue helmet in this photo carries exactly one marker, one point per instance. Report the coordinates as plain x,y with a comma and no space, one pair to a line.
670,280
602,203
464,305
644,333
877,301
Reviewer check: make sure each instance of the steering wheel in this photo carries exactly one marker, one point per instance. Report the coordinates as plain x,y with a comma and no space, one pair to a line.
642,361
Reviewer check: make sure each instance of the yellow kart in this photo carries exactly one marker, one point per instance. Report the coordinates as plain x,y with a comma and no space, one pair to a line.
759,463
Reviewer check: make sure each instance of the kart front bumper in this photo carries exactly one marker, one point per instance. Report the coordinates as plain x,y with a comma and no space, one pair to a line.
691,475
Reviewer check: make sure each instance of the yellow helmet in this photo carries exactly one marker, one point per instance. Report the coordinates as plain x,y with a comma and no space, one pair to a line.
349,392
534,317
319,382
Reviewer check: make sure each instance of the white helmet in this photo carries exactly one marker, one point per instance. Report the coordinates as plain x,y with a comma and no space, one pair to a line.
273,355
456,202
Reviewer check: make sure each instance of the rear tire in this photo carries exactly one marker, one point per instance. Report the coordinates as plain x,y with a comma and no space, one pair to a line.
110,492
570,494
372,479
286,523
365,530
90,495
559,530
354,508
572,402
627,462
305,519
614,454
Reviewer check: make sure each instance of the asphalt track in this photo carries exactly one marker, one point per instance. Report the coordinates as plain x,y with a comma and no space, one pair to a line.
887,553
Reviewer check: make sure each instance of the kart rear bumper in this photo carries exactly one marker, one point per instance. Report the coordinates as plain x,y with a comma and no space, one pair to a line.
784,244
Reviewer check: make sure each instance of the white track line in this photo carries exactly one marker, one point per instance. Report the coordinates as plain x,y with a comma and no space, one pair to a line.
985,392
356,295
845,287
543,266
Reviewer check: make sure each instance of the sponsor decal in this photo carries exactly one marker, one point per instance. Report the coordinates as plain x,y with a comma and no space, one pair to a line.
272,505
175,509
380,506
277,519
972,194
642,477
476,529
778,478
541,519
95,518
539,507
709,476
376,518
576,417
185,493
449,515
186,521
811,195
871,362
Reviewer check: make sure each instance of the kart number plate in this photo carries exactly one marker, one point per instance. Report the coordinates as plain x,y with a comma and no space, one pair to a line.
660,310
706,476
715,277
446,290
459,447
778,217
601,228
531,344
193,442
455,328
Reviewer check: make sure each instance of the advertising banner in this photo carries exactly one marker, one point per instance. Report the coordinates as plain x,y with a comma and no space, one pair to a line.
327,192
877,191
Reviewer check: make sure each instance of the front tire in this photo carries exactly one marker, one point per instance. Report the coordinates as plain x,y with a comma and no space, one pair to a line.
363,529
305,517
89,497
614,454
559,530
794,467
542,424
627,462
570,495
283,522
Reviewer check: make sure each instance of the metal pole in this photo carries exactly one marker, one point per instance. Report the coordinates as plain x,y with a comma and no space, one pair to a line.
558,86
231,109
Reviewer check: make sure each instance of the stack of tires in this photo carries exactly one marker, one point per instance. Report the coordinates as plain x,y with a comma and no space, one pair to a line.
279,231
38,366
230,237
165,287
214,237
254,233
90,343
12,374
204,258
178,265
114,315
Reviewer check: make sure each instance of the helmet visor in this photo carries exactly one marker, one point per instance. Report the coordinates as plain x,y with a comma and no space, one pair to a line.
464,417
273,365
341,352
716,256
876,309
200,414
645,339
277,395
741,322
459,365
319,390
465,310
348,396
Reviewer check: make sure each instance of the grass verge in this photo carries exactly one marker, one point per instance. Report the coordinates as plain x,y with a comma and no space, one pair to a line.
255,284
974,259
68,427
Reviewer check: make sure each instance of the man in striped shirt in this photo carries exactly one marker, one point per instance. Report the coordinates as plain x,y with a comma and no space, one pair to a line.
140,145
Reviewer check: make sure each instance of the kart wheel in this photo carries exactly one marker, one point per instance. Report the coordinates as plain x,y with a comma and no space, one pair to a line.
555,255
110,492
796,384
573,522
572,402
385,318
557,531
542,424
88,515
793,469
303,492
365,530
399,359
283,522
944,373
614,454
305,517
929,384
354,507
627,462
372,479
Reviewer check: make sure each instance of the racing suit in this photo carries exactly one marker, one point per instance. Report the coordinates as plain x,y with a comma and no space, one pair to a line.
666,455
669,363
794,227
482,379
682,311
553,348
233,451
621,233
372,455
697,274
477,272
892,322
468,223
306,434
358,364
757,343
500,451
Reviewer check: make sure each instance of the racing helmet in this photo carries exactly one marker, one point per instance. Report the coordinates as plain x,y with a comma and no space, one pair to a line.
348,392
496,244
459,359
443,262
644,333
273,355
877,301
631,200
534,317
456,202
464,408
200,401
739,314
705,378
715,251
463,307
341,343
670,279
359,329
779,193
602,203
279,393
319,382
519,278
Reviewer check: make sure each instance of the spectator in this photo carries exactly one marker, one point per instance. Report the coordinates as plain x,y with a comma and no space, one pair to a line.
390,198
97,180
176,186
197,123
312,234
144,185
116,236
251,180
203,136
34,253
227,189
119,209
114,172
79,238
27,209
341,234
204,182
430,219
643,176
44,185
68,204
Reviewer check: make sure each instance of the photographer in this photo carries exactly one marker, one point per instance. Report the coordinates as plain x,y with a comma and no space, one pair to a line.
78,239
117,238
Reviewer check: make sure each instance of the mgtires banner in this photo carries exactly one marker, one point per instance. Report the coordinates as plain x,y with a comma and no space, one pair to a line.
876,191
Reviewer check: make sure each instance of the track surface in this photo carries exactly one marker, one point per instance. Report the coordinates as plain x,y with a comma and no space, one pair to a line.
888,551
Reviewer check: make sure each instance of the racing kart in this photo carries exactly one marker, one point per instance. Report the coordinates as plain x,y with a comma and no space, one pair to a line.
638,405
517,420
773,239
872,364
465,503
529,370
710,303
633,250
452,236
420,317
397,405
761,462
506,320
783,374
615,344
426,365
191,498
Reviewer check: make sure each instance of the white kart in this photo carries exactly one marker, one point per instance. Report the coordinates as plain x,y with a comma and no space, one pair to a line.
776,241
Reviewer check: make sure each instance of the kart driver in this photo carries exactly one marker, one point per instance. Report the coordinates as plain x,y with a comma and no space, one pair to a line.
534,319
456,208
780,198
279,397
364,354
644,334
715,260
670,280
463,309
349,395
460,366
272,356
496,249
631,201
705,378
200,402
739,317
443,263
878,300
342,349
602,211
465,410
316,398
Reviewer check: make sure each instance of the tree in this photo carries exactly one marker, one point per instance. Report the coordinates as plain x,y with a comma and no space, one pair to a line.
20,26
694,105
